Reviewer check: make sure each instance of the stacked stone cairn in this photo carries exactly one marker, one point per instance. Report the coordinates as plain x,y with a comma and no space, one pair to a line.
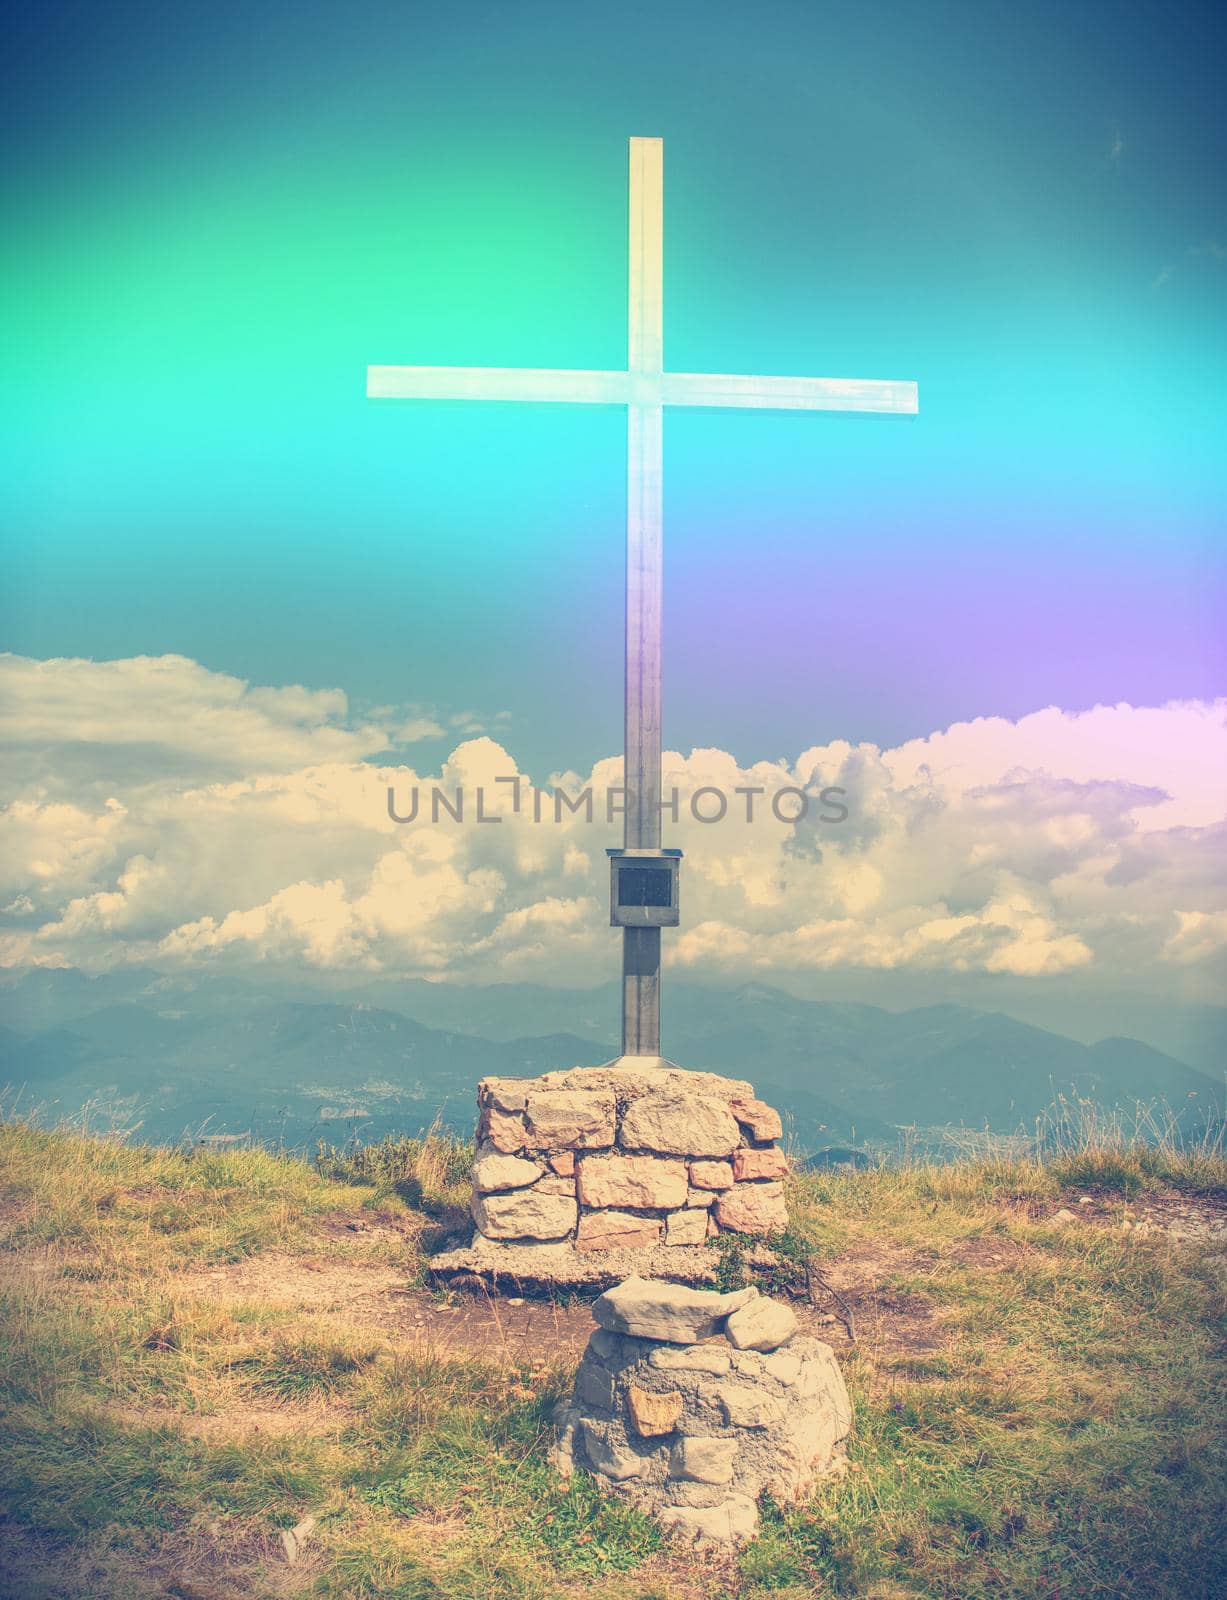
694,1404
625,1157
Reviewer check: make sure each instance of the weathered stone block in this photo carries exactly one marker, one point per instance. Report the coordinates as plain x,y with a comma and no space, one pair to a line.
566,1420
697,1198
748,1407
609,1347
686,1227
524,1214
572,1118
643,1181
711,1174
769,1163
680,1124
653,1415
761,1325
504,1094
784,1368
734,1521
631,1076
703,1460
748,1363
607,1454
655,1309
617,1351
821,1378
816,1434
503,1131
595,1387
564,1163
762,1121
495,1171
690,1358
617,1230
555,1185
752,1208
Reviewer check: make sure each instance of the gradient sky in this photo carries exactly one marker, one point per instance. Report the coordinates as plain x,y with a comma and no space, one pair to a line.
218,214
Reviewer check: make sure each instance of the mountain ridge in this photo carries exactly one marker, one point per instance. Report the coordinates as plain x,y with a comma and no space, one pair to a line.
174,1053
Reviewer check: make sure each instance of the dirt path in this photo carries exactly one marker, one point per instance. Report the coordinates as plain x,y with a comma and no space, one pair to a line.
513,1331
379,1294
519,1332
1185,1219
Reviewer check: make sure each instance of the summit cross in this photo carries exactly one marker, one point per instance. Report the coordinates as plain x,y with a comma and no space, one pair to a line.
644,388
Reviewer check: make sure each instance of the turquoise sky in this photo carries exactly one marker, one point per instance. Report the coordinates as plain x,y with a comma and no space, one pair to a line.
218,214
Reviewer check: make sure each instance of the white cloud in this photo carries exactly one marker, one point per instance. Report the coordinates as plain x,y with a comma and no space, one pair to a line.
157,717
166,814
416,729
1198,934
1177,751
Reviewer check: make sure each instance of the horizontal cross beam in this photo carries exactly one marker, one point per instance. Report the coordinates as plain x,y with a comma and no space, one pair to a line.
635,388
643,389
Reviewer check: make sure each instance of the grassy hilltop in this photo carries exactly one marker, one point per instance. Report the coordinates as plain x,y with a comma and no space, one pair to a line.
221,1379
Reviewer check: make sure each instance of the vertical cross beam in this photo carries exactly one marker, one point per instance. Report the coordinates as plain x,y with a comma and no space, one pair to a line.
644,417
644,388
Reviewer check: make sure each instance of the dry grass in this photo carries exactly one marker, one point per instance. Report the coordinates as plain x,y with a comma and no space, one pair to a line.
1038,1404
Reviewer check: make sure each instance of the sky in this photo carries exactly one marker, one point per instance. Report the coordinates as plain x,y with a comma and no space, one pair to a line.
218,215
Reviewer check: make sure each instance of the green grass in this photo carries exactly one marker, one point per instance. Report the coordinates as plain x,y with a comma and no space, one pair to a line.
299,1369
1043,1420
188,1206
429,1172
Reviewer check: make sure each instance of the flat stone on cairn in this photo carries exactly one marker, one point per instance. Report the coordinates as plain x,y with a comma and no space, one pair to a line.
666,1311
585,1176
695,1404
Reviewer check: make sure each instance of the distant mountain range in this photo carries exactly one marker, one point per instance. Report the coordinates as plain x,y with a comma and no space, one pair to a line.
222,1057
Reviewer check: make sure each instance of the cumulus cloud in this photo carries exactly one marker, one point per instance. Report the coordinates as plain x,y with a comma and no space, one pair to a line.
164,717
416,729
164,814
1178,752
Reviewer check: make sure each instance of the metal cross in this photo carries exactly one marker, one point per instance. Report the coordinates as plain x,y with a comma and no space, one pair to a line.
645,388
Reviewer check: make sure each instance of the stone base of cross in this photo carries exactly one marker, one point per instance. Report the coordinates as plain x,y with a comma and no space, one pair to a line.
644,389
585,1176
